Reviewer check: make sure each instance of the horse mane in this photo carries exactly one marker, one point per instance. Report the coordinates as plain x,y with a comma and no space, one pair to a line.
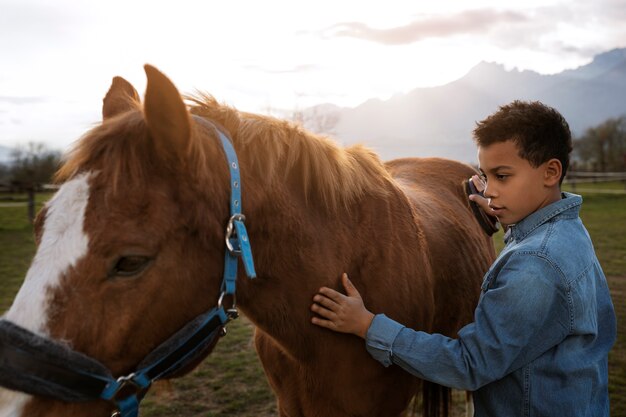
274,150
278,149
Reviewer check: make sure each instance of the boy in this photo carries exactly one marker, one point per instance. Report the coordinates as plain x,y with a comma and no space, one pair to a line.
545,322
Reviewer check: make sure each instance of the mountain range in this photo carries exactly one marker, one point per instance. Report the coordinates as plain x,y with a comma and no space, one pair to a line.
438,121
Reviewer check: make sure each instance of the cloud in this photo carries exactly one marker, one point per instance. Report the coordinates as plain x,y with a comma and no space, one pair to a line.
21,100
293,70
471,21
33,19
615,10
581,29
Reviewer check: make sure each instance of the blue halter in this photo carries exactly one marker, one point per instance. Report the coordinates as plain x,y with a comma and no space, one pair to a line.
40,366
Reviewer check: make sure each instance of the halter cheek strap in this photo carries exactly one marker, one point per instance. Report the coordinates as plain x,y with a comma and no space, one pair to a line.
237,241
40,366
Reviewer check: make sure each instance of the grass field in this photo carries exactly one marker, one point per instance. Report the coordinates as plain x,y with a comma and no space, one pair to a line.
231,382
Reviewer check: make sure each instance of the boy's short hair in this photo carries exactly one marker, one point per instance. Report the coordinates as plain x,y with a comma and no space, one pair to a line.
539,132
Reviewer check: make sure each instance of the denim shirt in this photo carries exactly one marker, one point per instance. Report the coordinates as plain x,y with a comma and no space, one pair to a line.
542,329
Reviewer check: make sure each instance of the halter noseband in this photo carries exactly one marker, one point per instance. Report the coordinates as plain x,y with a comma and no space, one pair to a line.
40,366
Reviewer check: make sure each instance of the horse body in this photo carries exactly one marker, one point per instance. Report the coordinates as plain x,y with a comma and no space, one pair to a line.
315,372
153,205
410,254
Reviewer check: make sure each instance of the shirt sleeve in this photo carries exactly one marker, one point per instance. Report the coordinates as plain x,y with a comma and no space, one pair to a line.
523,313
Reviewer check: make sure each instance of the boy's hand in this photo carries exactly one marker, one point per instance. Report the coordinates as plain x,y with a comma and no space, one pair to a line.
342,313
478,199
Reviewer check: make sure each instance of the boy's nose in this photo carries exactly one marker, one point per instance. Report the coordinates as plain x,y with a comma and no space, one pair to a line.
488,191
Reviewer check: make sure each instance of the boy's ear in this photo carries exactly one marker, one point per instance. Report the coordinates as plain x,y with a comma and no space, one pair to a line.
553,172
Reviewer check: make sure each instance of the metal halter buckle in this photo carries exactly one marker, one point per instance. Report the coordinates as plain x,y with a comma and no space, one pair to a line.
231,231
128,386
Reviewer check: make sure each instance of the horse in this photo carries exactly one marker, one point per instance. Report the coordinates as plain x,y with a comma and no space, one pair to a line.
131,246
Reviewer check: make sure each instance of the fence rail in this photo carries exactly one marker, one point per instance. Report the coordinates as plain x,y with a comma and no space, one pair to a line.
580,176
29,202
580,181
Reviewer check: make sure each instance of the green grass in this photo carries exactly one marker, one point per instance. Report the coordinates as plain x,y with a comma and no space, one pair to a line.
231,382
17,247
604,215
595,186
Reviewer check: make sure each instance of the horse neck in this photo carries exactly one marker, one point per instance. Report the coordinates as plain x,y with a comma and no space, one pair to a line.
299,247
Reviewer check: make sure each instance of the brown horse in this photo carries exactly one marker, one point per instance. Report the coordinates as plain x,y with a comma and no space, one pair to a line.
131,248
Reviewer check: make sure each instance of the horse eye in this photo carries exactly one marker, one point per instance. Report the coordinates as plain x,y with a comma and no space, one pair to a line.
127,266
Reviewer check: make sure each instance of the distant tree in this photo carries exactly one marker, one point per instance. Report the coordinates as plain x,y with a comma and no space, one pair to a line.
317,120
4,173
603,147
33,165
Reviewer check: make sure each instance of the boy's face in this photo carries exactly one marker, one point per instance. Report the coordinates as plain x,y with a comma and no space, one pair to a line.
514,187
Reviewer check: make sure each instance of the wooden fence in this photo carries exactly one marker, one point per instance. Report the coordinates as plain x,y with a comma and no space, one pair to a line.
12,196
580,182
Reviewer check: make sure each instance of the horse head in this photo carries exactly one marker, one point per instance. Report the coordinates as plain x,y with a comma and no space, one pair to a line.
131,247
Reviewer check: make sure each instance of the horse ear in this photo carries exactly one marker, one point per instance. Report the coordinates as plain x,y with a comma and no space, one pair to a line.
166,114
120,98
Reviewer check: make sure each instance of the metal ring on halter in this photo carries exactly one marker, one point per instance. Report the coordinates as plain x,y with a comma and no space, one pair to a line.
221,300
232,312
230,231
126,378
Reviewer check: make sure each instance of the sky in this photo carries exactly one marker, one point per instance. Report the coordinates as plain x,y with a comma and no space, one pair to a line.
57,58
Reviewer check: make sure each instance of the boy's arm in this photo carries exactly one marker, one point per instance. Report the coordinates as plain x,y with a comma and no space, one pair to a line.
520,316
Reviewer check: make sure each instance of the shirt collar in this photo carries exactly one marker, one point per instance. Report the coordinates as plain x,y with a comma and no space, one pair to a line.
568,206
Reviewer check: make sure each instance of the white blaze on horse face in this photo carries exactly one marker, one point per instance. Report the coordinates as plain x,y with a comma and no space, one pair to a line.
11,403
63,242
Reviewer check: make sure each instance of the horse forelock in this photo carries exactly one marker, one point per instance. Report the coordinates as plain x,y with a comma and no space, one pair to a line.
122,151
118,147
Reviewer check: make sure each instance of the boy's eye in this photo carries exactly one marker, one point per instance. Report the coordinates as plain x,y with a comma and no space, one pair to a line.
501,176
